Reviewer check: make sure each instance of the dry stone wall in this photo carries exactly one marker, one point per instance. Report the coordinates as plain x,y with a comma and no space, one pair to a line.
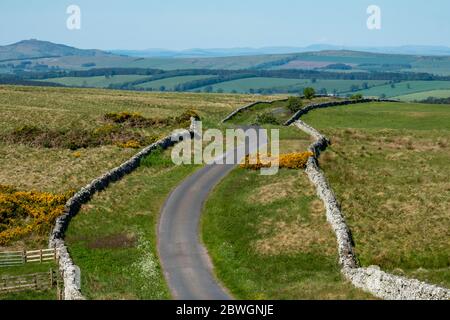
68,269
249,106
307,109
381,284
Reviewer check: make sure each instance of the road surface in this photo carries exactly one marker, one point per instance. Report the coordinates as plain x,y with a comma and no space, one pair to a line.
185,261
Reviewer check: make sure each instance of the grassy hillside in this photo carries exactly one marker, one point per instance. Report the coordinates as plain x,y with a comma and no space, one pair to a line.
388,167
125,238
35,48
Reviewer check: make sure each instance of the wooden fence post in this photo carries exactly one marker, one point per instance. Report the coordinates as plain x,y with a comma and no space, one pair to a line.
24,256
40,251
51,278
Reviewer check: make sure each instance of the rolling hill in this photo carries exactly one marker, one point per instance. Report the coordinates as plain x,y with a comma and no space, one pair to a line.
43,53
33,49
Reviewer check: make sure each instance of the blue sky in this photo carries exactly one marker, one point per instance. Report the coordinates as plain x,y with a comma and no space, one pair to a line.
182,24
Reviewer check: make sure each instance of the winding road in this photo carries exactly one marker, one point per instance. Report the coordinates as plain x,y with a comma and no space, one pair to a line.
185,261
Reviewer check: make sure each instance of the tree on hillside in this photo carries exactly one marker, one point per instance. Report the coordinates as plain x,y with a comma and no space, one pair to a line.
294,104
309,93
356,96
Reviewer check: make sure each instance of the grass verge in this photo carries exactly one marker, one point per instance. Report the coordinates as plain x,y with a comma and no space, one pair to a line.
113,238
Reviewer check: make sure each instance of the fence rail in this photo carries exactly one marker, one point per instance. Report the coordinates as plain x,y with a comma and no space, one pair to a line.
15,258
35,281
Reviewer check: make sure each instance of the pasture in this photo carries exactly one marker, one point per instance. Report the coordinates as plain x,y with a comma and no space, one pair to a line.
268,236
388,165
426,94
403,88
169,84
283,84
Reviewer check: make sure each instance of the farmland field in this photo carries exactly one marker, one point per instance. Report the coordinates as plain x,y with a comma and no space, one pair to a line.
424,95
169,84
360,61
404,88
388,166
268,236
248,84
96,82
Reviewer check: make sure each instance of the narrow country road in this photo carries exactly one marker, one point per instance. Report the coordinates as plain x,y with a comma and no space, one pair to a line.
185,261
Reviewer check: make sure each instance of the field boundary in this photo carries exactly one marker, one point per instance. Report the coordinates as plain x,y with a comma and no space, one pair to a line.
373,280
69,271
35,281
14,258
307,109
248,106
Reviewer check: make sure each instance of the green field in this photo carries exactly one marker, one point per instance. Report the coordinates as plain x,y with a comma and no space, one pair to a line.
279,109
268,236
424,95
113,238
95,82
360,61
388,165
404,88
388,162
169,84
248,84
230,63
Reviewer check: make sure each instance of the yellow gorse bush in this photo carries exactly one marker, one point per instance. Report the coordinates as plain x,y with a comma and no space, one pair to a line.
23,213
132,144
289,161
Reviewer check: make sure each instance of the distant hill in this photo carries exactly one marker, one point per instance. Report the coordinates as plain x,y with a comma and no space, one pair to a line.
216,53
32,49
44,56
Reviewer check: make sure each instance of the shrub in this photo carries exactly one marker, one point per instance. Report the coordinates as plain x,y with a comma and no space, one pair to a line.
289,161
131,144
24,213
309,93
266,118
185,118
294,104
132,119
